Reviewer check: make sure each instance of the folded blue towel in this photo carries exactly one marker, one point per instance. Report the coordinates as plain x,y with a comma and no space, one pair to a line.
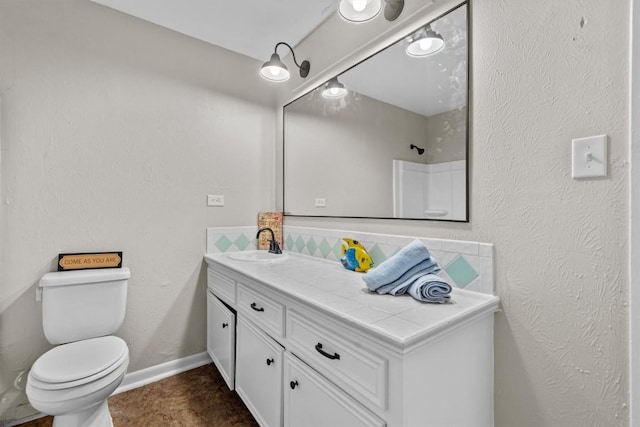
397,267
400,285
430,288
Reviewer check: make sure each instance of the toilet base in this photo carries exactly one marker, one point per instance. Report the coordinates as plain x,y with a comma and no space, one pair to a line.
93,416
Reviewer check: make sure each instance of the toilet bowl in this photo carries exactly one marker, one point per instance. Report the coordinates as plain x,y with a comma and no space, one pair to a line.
72,381
80,311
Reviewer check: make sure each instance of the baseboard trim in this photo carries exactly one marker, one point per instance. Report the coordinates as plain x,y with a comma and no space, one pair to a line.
164,370
141,378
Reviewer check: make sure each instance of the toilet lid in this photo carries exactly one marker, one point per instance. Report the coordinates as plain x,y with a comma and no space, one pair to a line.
80,362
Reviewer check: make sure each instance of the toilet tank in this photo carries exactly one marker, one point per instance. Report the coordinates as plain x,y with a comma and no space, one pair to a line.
78,305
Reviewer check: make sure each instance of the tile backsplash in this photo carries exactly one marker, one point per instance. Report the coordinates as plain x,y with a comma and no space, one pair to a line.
465,264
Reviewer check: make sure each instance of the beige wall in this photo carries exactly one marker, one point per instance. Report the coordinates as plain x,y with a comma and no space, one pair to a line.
113,132
543,73
342,151
338,148
446,137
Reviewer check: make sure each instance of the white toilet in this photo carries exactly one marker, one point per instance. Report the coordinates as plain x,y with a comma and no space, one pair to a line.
80,310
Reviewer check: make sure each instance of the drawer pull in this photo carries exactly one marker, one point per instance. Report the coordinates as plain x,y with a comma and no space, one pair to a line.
224,325
269,362
333,356
293,384
255,307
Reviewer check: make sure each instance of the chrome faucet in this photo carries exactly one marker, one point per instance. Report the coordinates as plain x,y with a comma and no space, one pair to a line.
274,246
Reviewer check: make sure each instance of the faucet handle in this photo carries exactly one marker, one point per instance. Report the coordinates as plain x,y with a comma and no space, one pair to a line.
274,247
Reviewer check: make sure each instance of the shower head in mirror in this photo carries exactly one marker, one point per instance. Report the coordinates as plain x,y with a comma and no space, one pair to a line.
418,149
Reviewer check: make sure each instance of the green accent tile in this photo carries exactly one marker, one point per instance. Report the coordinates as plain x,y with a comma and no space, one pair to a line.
242,242
377,255
325,248
337,248
289,242
312,246
461,271
300,244
223,243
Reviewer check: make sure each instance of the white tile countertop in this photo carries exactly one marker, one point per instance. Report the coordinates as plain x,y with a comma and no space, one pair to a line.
341,293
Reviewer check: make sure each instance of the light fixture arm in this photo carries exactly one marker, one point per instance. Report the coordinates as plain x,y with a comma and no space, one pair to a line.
304,67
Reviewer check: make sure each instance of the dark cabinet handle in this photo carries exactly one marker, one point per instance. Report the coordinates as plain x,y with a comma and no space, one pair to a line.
224,325
255,307
269,362
293,384
333,356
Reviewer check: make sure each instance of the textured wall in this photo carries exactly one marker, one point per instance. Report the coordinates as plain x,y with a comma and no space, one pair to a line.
543,72
113,132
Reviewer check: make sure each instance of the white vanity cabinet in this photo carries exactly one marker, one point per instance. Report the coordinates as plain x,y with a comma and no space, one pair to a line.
221,338
259,373
314,348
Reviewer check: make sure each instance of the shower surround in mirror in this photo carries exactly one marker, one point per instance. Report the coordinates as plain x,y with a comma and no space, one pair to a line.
437,190
338,152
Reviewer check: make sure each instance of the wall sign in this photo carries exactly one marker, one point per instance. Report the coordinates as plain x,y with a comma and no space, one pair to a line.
91,260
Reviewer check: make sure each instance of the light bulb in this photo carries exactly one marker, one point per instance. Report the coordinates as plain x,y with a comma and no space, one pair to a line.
359,5
425,44
334,91
274,71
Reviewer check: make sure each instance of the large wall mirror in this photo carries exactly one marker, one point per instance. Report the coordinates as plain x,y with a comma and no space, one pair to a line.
395,144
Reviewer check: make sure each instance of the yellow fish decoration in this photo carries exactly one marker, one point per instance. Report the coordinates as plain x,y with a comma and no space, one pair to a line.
354,256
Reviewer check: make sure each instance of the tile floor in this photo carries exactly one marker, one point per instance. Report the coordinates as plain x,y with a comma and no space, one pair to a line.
195,398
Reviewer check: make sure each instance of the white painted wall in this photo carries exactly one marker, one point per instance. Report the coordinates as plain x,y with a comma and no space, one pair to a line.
544,72
113,132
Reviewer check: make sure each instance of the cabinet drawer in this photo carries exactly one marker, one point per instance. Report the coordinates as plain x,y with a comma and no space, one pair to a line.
262,309
357,370
311,400
224,287
221,338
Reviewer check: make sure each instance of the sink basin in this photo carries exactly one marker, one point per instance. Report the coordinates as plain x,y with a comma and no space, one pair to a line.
257,256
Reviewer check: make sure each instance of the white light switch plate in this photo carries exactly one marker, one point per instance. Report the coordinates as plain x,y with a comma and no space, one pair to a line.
589,157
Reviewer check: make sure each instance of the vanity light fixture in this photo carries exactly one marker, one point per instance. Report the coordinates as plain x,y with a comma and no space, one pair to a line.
334,89
366,10
424,42
359,10
274,69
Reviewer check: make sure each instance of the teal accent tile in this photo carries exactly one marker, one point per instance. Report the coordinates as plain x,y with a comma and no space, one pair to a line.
325,248
242,242
300,244
312,246
289,243
337,248
377,255
460,271
223,243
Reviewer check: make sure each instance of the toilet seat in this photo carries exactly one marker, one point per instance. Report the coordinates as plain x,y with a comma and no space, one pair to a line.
78,363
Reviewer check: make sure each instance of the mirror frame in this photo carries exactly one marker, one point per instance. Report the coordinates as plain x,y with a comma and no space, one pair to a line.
395,38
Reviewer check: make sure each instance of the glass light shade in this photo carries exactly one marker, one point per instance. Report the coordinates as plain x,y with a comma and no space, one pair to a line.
334,89
425,43
274,70
359,10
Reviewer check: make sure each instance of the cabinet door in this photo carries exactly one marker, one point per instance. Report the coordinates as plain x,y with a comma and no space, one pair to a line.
221,338
310,400
259,373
